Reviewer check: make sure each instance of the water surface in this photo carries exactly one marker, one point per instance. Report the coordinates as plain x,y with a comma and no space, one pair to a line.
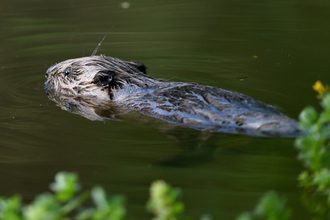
270,50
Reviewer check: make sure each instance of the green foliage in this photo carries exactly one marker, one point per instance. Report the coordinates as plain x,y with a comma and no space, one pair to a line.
107,207
314,147
164,201
271,206
11,208
314,152
65,202
66,186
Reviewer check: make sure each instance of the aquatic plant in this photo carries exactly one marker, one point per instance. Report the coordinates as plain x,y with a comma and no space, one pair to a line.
65,201
314,152
270,206
164,201
68,201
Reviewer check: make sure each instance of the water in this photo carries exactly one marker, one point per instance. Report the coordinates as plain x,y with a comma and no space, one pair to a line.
271,50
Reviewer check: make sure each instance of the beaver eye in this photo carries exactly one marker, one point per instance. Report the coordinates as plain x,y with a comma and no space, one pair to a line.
67,72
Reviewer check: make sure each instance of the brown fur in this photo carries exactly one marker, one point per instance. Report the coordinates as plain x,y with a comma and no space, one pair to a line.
89,83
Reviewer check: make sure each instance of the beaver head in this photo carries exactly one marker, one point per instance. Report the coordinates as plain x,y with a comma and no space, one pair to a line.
97,76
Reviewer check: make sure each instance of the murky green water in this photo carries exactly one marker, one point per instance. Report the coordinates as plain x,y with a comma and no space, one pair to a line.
270,50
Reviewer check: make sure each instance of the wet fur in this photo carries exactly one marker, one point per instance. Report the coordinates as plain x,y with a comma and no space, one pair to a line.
82,76
105,79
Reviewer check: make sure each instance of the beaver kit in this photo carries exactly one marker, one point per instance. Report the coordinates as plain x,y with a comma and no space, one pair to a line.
91,85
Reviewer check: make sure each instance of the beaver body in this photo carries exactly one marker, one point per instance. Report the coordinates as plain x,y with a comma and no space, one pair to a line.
89,81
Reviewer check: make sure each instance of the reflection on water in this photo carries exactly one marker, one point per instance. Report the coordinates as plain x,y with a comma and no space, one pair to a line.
278,48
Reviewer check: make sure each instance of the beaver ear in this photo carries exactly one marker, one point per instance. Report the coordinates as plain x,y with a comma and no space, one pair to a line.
103,78
141,67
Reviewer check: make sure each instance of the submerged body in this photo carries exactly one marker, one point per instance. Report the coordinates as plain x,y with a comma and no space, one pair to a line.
90,82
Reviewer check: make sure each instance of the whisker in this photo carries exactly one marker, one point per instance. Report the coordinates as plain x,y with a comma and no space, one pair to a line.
97,47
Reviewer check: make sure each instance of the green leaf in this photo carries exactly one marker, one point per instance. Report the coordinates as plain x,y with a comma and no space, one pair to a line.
45,206
305,179
75,203
164,201
99,197
112,208
307,117
322,179
326,101
271,206
10,208
245,216
66,186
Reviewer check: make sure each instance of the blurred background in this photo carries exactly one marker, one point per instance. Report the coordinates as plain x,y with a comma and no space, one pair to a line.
273,51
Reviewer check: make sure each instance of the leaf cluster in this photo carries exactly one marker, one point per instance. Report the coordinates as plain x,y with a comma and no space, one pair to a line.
314,147
164,201
65,203
271,207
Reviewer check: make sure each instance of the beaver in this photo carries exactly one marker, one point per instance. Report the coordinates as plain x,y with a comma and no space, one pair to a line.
88,82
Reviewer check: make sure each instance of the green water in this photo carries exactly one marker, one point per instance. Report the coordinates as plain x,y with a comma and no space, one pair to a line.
271,50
